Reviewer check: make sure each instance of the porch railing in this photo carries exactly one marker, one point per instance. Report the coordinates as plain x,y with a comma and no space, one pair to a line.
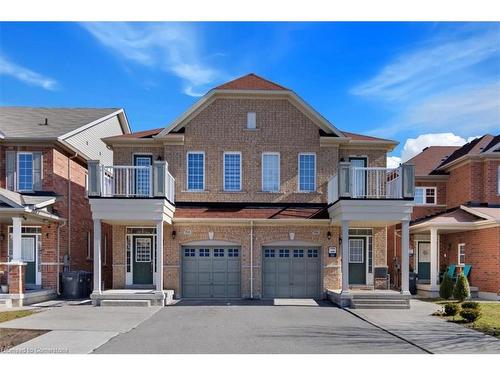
127,181
371,183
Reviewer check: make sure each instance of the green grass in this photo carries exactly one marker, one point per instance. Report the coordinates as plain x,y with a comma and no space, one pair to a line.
488,323
9,315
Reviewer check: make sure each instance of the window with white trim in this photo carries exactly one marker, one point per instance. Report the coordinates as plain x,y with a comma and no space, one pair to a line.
270,171
232,171
307,172
461,254
196,171
251,120
425,195
25,171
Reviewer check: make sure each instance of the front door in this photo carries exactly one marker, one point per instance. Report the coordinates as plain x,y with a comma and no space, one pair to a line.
28,254
143,260
357,260
424,260
359,176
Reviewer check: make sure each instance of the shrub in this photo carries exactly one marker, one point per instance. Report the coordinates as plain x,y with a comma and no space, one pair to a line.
446,287
461,291
470,315
470,305
451,309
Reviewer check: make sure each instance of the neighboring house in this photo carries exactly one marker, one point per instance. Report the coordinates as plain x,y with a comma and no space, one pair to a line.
248,194
456,218
45,217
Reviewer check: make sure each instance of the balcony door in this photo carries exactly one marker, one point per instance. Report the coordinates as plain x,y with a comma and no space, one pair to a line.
359,176
142,178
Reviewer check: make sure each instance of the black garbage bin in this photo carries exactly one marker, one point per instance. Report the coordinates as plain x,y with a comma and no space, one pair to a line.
76,284
413,283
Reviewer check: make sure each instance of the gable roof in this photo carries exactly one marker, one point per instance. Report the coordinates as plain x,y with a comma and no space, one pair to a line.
426,161
252,85
145,134
475,147
46,123
250,82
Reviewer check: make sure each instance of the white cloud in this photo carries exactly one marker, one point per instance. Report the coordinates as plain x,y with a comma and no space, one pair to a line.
446,83
430,66
26,75
393,161
172,47
414,146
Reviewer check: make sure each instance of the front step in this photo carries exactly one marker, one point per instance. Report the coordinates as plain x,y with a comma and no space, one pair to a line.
380,301
126,302
381,306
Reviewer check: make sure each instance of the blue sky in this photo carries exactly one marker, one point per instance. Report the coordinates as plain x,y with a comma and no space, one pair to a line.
419,83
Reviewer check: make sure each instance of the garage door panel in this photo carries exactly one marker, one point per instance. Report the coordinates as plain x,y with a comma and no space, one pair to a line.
211,272
296,275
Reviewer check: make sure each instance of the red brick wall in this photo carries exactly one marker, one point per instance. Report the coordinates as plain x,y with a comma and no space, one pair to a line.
426,210
490,173
482,251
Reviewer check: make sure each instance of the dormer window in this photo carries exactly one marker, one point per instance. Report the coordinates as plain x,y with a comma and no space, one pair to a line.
251,120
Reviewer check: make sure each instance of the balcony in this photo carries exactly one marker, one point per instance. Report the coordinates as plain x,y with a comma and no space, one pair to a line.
371,193
149,191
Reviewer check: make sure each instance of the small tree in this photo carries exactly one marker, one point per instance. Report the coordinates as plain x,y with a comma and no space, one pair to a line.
446,287
461,291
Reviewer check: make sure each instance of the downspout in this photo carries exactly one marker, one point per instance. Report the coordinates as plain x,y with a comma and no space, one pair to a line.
69,207
59,226
251,259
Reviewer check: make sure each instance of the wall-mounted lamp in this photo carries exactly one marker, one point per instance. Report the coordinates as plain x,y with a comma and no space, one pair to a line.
158,158
340,240
2,237
46,235
173,234
329,235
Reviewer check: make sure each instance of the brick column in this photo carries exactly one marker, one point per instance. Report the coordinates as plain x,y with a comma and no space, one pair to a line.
15,277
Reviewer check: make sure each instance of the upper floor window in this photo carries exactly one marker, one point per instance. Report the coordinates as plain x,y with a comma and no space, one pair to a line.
270,171
232,171
25,171
307,172
196,171
425,195
461,253
251,120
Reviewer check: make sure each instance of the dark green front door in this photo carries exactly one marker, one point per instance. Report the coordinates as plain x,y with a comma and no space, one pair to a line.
424,260
357,260
143,260
28,252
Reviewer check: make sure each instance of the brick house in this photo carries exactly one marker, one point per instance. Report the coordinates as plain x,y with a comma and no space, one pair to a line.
456,218
248,194
45,217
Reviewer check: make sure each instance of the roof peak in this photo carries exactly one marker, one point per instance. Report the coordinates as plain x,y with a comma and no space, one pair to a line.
251,81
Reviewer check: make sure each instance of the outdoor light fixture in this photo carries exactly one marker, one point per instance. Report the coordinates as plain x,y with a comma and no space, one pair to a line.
340,240
329,235
173,234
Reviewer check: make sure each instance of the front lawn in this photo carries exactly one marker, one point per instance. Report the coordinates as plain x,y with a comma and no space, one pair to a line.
488,323
10,337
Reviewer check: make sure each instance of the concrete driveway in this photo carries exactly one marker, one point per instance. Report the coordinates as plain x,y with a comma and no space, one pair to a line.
255,327
77,329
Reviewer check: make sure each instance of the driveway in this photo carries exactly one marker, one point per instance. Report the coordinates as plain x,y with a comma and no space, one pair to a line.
77,329
255,327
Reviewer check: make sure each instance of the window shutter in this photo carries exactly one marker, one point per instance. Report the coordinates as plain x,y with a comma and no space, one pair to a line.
11,170
37,171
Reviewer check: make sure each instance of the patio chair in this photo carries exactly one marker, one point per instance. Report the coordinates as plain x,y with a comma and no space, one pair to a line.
466,270
451,271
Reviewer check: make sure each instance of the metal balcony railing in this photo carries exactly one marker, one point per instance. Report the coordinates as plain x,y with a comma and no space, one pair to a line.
127,181
371,183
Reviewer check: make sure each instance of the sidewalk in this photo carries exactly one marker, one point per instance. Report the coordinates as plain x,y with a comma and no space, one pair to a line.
431,333
77,329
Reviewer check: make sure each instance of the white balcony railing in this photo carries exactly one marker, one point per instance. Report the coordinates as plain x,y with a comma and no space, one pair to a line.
127,181
371,183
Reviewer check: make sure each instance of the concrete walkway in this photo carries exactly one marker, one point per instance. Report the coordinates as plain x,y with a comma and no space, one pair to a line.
77,329
431,333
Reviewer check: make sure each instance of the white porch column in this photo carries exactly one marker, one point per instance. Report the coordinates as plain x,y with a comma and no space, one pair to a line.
159,255
16,238
345,257
434,258
97,257
405,257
